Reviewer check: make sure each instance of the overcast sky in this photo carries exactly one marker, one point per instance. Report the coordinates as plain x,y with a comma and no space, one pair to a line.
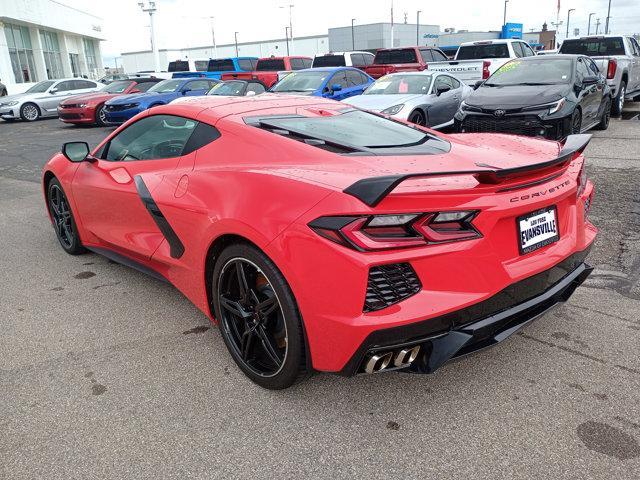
186,23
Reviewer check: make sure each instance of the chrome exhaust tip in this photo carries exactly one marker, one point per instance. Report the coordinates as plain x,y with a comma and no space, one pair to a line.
377,362
406,356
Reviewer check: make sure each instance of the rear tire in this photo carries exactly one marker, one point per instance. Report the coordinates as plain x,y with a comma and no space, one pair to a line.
418,118
266,342
29,112
62,219
606,115
3,93
618,103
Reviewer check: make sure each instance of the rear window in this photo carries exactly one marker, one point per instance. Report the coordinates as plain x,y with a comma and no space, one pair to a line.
178,66
329,61
270,65
224,65
407,55
478,52
594,47
201,65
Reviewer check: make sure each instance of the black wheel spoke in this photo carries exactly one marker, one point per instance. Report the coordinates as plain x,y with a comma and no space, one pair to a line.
268,346
242,279
233,307
246,341
268,306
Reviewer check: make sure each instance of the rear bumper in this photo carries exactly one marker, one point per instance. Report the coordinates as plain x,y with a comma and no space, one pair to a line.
480,325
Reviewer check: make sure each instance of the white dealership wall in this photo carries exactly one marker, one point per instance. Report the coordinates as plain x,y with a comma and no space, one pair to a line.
71,26
306,46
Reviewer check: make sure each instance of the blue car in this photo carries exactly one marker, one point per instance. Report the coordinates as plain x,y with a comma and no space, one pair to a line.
336,83
120,109
219,66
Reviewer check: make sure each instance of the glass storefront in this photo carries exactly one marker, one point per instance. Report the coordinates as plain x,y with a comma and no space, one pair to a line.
20,53
51,53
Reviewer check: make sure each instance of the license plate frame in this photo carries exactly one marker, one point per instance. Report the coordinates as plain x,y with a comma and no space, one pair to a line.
545,241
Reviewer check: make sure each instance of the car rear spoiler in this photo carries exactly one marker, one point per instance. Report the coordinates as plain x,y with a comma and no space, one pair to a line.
371,191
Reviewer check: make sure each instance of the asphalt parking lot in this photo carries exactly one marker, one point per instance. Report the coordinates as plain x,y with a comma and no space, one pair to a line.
107,373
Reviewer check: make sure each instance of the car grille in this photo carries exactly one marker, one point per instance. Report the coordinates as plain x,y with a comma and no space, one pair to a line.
519,125
389,284
70,105
70,116
118,108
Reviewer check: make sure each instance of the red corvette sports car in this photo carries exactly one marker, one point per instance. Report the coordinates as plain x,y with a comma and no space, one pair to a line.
325,238
89,108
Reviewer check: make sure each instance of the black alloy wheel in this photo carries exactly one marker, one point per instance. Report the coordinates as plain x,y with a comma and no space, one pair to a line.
618,102
258,317
576,121
63,221
418,118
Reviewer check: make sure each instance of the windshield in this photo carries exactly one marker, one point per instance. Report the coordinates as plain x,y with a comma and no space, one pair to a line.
232,88
400,85
407,55
477,52
355,128
40,87
329,61
594,47
537,71
301,82
166,86
271,65
117,87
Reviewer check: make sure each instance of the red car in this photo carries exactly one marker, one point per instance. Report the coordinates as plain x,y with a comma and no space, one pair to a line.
267,69
324,238
89,108
407,59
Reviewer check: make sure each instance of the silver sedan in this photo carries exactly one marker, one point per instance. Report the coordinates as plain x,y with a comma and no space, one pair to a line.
42,99
426,98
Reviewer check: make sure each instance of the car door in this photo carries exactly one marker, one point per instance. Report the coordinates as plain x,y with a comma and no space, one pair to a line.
107,193
338,78
587,94
635,63
445,105
59,91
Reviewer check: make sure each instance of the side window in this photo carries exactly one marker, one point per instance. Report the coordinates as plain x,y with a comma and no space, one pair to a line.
255,87
426,56
307,62
583,71
79,84
454,83
297,64
443,81
528,51
593,67
245,64
353,78
357,60
199,85
144,86
636,47
517,49
368,58
338,78
154,137
438,56
364,79
66,86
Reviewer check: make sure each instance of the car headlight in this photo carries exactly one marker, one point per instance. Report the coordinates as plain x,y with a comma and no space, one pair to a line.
554,107
393,110
82,105
9,104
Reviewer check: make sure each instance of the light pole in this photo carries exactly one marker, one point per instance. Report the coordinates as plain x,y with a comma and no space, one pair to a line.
597,25
235,35
418,27
589,24
290,7
568,17
286,36
213,37
150,8
504,19
353,35
606,25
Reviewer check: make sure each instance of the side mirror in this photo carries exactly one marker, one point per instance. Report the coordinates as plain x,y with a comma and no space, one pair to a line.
590,80
336,87
76,151
442,89
53,91
478,84
185,91
250,93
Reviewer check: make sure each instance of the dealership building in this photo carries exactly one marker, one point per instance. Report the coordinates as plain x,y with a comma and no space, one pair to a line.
44,40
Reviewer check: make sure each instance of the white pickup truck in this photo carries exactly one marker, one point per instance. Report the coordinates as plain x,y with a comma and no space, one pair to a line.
617,57
476,61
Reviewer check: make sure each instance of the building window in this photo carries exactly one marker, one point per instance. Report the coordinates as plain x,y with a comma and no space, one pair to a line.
20,53
51,53
90,54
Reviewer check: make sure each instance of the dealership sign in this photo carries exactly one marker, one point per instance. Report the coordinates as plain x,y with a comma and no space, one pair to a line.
512,30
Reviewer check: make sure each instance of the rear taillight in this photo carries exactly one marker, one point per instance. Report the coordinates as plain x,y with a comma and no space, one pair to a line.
383,232
612,67
485,69
582,181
